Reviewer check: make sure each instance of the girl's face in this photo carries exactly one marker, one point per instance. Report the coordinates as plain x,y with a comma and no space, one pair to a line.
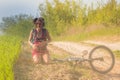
38,25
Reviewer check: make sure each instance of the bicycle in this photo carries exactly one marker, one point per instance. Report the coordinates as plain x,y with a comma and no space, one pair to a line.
101,59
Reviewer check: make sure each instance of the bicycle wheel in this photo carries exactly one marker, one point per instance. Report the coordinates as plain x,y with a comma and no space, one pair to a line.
101,59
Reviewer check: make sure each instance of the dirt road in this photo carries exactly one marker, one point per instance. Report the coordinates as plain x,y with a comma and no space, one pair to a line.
111,45
78,49
24,68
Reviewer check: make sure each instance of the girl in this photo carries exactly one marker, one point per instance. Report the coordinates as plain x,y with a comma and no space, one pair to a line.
38,39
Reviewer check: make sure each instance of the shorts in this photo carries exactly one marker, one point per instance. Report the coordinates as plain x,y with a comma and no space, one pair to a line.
39,49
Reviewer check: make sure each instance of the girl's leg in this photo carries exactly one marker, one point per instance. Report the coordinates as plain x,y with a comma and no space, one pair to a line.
35,54
45,57
35,59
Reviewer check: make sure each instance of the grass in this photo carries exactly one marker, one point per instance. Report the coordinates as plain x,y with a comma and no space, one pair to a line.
80,35
9,50
117,54
106,31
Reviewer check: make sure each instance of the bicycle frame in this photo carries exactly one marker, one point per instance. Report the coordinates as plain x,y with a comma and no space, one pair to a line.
78,59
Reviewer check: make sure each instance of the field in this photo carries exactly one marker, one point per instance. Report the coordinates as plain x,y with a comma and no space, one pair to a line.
9,51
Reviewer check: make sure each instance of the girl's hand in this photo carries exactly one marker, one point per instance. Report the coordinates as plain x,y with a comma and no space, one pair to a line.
34,46
43,44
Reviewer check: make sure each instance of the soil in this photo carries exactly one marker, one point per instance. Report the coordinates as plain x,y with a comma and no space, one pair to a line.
25,69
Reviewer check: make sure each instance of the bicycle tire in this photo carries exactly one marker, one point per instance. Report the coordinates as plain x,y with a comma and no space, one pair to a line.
101,63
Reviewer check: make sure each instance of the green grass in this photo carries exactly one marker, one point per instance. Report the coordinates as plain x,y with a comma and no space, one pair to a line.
106,31
9,50
117,54
84,35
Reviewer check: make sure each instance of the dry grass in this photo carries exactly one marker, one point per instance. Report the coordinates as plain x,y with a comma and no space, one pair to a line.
91,32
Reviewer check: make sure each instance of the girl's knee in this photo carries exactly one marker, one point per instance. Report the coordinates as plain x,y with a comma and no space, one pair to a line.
46,58
35,59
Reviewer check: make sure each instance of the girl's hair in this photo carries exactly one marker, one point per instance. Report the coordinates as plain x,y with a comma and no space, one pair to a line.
41,19
34,20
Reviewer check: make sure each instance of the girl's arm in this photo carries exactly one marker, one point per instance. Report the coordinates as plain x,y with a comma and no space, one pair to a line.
48,36
29,39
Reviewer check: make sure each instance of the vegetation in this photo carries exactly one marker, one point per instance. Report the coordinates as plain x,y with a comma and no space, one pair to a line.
9,50
80,35
61,16
117,54
18,25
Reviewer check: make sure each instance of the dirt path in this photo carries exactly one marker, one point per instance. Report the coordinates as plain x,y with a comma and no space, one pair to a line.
24,68
78,48
111,45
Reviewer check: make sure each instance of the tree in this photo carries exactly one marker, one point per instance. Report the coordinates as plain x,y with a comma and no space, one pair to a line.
18,25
